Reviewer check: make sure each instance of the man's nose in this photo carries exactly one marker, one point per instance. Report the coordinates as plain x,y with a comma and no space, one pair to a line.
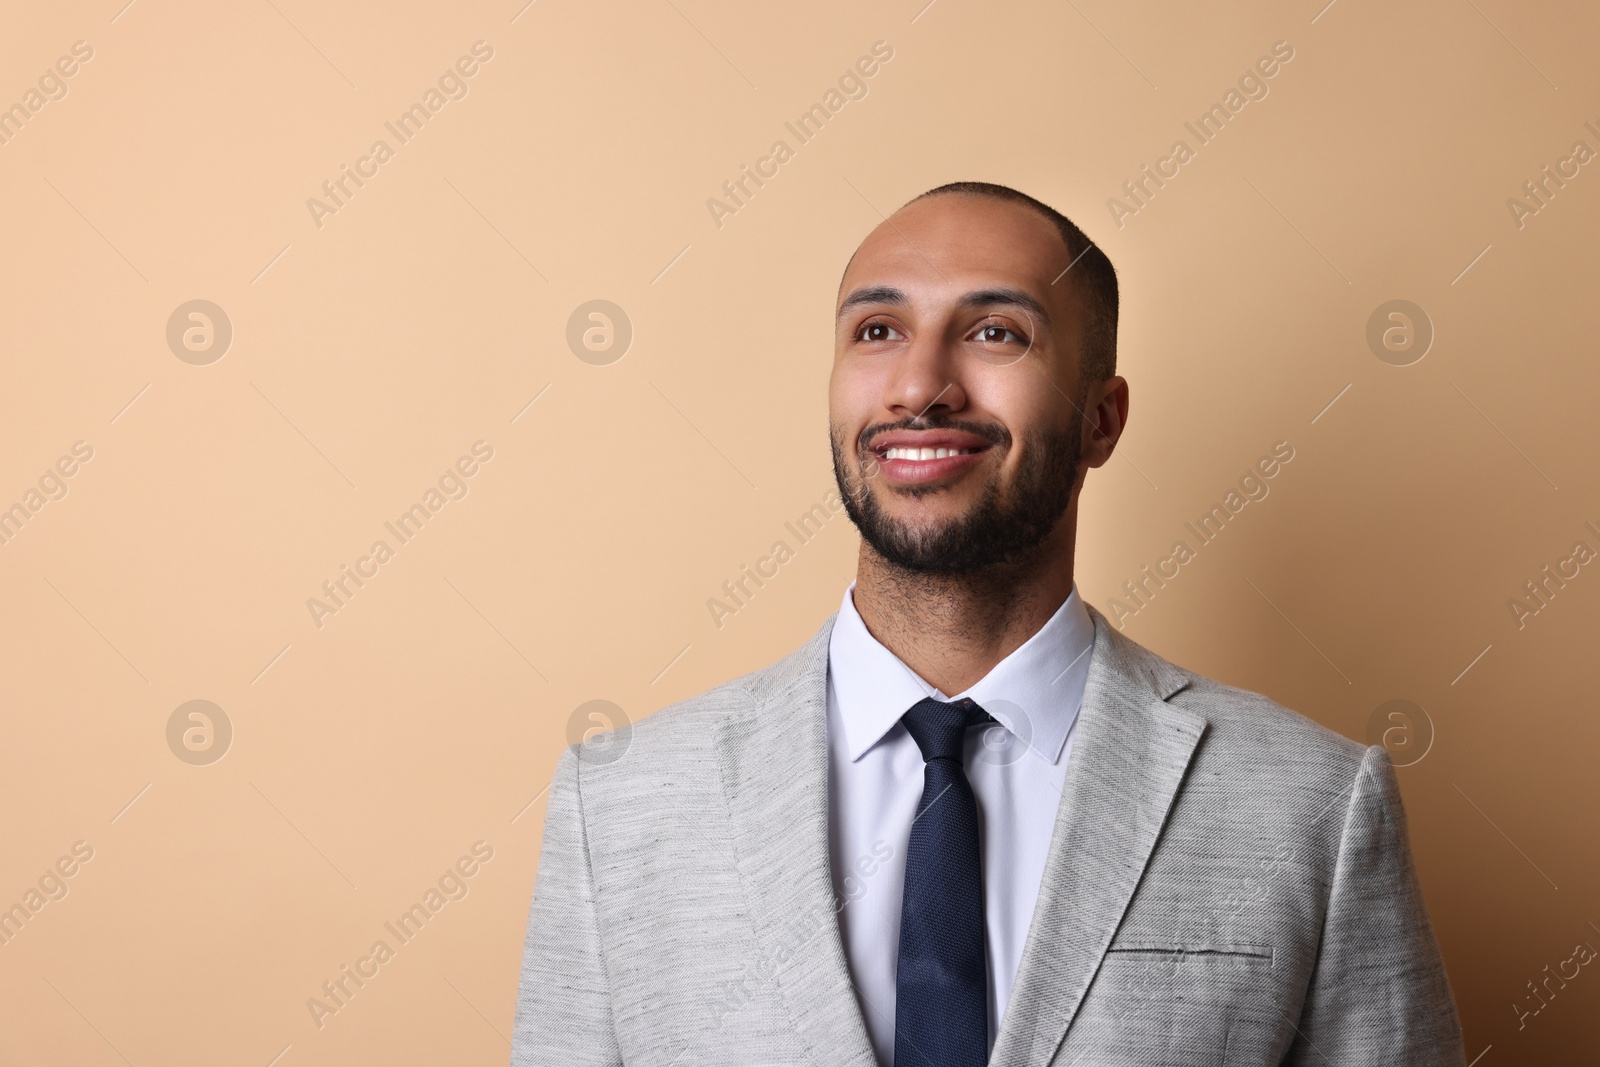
926,375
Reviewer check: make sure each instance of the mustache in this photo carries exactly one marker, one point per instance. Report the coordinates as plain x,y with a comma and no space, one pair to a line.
992,432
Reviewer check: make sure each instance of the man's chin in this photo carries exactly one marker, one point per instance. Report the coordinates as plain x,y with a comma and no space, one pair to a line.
920,525
928,502
929,544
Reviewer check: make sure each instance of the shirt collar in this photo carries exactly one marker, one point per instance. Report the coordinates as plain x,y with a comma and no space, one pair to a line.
1034,692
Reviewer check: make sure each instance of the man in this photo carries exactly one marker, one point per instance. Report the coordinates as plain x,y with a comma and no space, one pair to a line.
969,822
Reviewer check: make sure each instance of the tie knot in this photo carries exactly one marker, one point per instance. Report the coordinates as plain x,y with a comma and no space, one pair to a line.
939,727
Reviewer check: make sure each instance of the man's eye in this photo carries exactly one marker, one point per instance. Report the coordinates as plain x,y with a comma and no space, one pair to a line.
999,335
875,331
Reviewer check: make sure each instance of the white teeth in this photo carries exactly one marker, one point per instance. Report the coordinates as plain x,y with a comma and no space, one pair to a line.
925,453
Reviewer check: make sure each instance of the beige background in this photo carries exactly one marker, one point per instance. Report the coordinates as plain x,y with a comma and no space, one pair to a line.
370,353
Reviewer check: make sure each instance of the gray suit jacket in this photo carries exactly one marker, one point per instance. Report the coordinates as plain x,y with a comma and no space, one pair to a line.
1228,883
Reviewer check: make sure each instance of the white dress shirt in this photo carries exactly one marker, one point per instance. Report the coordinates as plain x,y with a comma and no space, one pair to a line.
875,780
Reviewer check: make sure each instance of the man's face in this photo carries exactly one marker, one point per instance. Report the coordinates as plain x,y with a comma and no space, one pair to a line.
955,398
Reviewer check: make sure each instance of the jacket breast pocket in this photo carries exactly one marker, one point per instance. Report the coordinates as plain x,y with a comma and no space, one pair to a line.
1164,1004
1167,956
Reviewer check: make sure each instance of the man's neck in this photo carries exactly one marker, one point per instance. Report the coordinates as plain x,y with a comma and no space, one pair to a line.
952,630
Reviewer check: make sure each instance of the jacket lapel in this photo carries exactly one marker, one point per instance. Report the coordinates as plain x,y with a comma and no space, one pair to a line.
774,763
1128,758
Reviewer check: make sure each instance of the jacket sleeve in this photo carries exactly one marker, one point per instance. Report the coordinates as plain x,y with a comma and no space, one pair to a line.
1378,995
563,1015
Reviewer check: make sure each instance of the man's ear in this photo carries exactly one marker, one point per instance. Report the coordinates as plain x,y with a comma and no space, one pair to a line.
1105,416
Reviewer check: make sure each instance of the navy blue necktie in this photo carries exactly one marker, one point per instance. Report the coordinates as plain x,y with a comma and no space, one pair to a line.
941,1014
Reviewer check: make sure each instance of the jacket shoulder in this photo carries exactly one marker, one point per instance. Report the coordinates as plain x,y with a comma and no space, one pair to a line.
687,725
1243,716
1251,741
1288,765
1264,772
1241,723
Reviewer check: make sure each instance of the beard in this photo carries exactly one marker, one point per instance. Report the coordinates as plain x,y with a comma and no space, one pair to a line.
1007,525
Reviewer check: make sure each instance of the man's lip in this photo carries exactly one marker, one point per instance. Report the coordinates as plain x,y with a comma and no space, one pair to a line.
919,471
956,439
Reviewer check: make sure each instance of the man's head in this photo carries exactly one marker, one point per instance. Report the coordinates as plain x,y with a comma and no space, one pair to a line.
978,322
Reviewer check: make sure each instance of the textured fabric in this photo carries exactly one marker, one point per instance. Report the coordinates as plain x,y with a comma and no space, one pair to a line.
1228,883
1017,770
942,985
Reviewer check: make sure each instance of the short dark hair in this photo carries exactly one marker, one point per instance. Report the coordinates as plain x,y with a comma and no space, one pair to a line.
1091,271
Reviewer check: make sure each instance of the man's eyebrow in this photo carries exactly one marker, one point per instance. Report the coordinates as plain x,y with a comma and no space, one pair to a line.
978,298
873,294
1015,297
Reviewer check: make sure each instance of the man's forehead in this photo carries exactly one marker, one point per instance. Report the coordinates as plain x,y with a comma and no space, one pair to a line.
959,242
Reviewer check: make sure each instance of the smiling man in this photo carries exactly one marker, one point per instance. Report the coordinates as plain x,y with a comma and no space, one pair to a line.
969,822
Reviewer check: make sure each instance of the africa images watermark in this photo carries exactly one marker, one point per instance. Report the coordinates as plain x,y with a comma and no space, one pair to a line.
852,85
452,85
51,86
52,885
1539,191
810,924
1252,487
452,885
52,485
1252,85
1543,992
737,592
1538,591
452,485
